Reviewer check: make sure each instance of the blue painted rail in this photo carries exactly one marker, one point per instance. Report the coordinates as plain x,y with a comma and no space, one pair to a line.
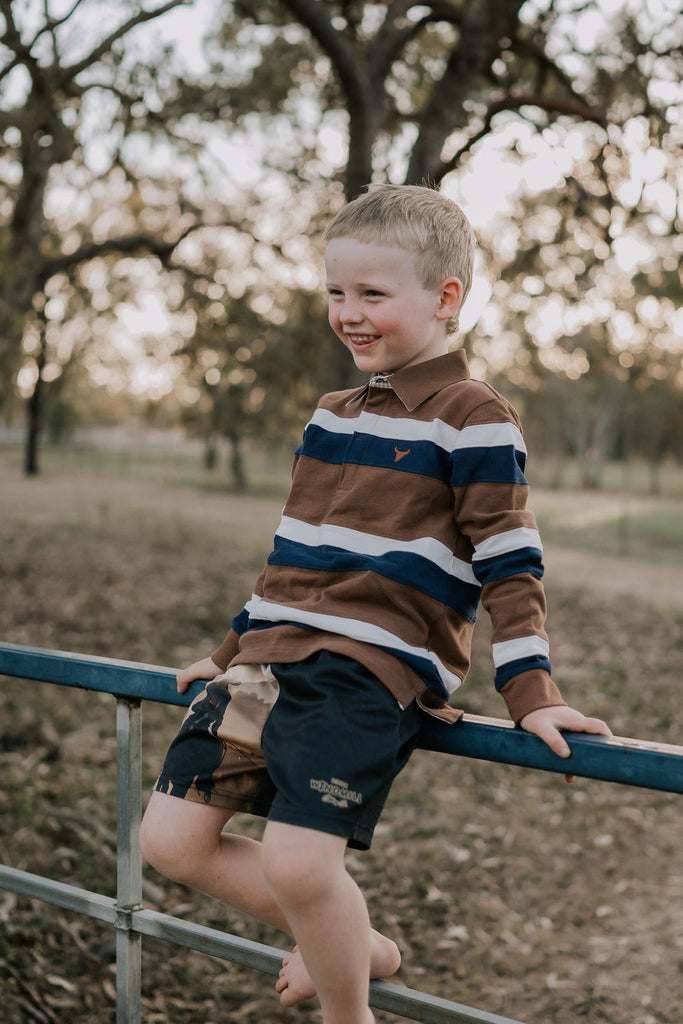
617,759
627,761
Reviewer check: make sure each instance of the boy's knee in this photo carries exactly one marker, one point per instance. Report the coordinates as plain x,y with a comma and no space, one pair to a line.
300,863
163,848
283,872
153,844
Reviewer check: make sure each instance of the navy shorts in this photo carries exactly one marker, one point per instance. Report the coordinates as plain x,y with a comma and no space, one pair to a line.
315,743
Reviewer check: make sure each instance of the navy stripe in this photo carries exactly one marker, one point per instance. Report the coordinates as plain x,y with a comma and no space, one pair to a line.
257,624
240,623
510,563
501,464
411,570
496,464
422,667
423,457
513,668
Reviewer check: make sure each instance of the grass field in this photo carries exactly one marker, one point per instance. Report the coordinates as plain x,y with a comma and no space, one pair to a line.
505,889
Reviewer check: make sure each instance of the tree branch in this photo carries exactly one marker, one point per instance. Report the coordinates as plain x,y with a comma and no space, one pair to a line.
364,94
332,43
572,107
51,24
11,38
105,46
545,63
558,106
447,166
480,31
390,41
135,242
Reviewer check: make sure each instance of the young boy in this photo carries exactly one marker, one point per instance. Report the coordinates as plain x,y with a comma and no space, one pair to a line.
407,508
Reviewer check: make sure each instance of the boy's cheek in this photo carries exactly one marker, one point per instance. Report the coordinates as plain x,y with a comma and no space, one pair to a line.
338,330
333,320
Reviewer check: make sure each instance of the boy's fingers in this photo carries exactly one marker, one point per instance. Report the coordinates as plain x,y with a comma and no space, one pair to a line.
553,738
206,669
547,728
187,676
558,744
596,726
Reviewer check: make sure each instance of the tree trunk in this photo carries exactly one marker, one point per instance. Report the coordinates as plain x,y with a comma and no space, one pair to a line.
210,451
35,415
654,465
33,429
239,476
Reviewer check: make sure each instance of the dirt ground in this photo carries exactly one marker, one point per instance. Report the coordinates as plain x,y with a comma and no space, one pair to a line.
506,889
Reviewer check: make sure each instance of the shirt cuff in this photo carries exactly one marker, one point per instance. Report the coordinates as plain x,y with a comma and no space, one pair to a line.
227,650
530,691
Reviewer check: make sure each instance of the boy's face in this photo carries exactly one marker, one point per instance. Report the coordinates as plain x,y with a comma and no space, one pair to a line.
381,311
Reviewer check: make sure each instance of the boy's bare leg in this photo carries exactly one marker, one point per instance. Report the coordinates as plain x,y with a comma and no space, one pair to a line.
306,874
184,840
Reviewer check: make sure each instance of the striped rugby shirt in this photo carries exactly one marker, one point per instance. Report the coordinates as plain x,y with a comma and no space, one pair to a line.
407,510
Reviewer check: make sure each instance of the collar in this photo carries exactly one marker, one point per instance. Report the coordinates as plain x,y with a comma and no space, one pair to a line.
415,384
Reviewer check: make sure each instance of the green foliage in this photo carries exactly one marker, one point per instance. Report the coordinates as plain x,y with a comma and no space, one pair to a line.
591,349
114,155
254,374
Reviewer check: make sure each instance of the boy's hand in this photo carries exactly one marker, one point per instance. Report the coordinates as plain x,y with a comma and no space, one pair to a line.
546,723
204,669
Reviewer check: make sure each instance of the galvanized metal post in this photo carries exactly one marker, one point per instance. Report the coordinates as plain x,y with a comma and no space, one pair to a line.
129,860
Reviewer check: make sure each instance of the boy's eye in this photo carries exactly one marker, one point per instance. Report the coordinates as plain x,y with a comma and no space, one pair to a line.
373,293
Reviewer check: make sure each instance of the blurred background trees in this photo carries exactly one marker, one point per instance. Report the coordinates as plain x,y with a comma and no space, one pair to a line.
166,172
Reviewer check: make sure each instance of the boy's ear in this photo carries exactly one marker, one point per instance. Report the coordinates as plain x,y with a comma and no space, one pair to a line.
450,297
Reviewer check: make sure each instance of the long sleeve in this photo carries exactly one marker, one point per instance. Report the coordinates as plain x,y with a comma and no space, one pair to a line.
491,511
229,649
224,654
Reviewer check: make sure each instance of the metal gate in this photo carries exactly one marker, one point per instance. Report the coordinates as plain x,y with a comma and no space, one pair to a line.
631,762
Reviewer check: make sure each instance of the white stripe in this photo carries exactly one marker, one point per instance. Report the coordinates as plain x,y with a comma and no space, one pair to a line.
491,435
481,435
369,544
355,629
522,647
511,540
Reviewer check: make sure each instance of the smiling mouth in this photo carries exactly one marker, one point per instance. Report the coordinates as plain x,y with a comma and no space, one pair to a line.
362,339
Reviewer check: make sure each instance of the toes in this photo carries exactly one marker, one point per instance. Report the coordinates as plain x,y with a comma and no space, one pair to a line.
287,999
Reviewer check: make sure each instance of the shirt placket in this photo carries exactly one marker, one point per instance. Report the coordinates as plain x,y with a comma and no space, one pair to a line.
361,440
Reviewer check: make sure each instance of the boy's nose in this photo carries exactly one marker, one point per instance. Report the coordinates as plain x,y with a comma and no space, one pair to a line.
350,314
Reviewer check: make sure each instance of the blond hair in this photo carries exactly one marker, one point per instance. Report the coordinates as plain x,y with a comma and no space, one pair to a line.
420,220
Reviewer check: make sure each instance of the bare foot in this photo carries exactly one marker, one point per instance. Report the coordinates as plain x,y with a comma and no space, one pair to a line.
294,983
385,958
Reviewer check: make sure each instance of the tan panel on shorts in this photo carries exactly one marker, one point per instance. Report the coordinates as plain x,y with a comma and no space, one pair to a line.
253,692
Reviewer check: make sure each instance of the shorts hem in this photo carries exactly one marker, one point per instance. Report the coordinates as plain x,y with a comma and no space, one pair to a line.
357,838
225,801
